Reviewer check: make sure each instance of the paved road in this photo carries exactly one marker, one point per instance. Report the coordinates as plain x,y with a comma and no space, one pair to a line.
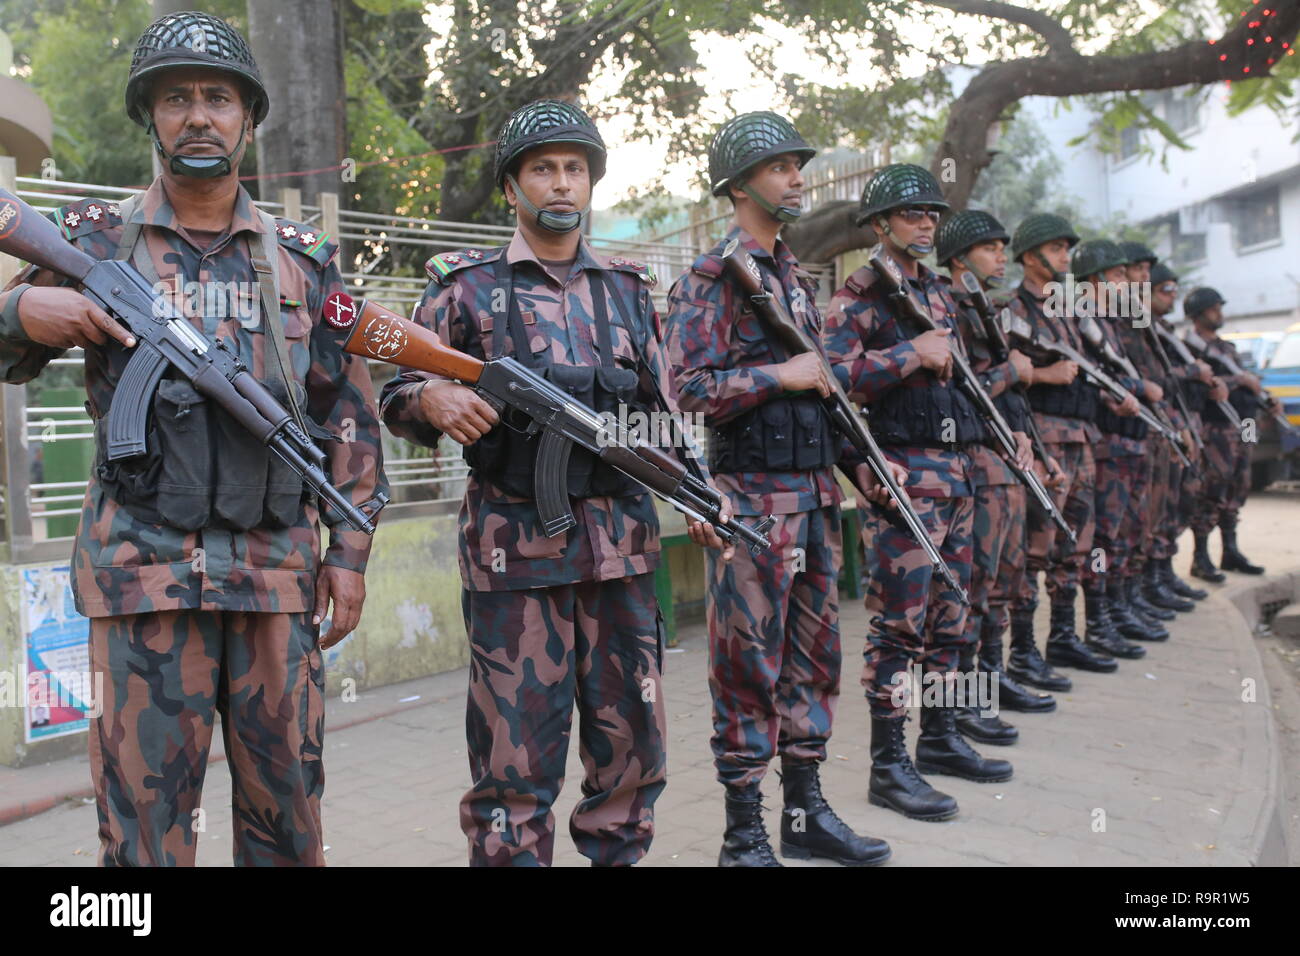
1163,753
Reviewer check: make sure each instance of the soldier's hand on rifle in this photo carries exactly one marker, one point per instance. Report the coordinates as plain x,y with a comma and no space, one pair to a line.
1024,368
1203,372
1058,373
64,318
457,411
1024,451
1127,408
1056,477
1249,380
347,589
1152,391
702,533
874,491
934,351
804,372
1218,390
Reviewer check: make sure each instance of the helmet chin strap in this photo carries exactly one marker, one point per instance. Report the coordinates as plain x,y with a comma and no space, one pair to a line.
987,281
913,249
1042,259
200,167
779,213
560,222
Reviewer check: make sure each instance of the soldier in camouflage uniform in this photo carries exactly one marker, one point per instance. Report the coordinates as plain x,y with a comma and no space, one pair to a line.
1099,267
1148,550
222,618
924,423
551,620
1227,453
774,642
1064,406
974,241
1196,381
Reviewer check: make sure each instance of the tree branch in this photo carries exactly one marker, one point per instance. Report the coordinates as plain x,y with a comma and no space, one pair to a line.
1058,38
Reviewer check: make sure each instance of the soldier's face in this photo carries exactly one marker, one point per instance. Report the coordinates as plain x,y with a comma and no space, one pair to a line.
199,112
778,180
1212,317
1139,271
557,178
1057,253
990,257
1163,297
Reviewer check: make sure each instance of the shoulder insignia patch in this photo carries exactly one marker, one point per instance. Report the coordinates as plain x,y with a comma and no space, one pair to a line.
640,269
441,266
311,242
707,265
861,280
89,215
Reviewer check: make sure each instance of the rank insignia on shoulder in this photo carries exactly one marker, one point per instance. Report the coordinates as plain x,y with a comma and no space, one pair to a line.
441,266
707,265
89,215
640,269
311,242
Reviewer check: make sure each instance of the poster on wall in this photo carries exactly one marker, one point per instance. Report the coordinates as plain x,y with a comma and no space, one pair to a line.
60,690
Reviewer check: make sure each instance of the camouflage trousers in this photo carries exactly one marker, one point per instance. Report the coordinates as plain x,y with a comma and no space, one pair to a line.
1226,479
918,618
1161,487
1121,491
997,562
534,654
166,676
1047,549
774,646
1186,487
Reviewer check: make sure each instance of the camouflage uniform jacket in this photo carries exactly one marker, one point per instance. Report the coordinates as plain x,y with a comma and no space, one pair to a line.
724,365
860,343
122,565
502,547
1055,429
1111,444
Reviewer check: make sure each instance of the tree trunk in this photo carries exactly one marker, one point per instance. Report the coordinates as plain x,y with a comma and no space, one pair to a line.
298,45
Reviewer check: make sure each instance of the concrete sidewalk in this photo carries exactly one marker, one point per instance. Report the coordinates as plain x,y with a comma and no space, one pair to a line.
1162,763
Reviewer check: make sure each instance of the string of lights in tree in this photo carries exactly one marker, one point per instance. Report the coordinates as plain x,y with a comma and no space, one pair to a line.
1262,35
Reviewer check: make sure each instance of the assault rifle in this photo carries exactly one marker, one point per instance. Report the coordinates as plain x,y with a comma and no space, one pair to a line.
844,415
1187,358
561,421
896,287
995,329
1289,433
164,339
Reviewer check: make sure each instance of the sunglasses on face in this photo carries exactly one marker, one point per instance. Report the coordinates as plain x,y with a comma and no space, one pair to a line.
1168,288
913,215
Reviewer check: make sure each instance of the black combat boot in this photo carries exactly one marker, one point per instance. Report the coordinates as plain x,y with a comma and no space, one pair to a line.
942,749
1011,695
745,841
1144,610
1202,566
1101,634
1157,591
1026,664
809,827
1064,649
1234,560
1130,626
895,782
1176,584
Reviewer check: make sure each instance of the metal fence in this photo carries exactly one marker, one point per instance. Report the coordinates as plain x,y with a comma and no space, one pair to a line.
47,441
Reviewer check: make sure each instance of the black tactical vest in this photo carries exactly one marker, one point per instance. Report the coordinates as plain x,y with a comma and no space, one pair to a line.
1076,400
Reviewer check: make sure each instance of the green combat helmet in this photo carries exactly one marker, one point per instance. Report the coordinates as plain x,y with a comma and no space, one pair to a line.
1137,252
1039,228
963,230
897,185
192,39
1200,299
1162,273
537,124
742,143
1096,256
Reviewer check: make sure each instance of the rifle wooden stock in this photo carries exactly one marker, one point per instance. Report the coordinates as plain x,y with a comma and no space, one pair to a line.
385,335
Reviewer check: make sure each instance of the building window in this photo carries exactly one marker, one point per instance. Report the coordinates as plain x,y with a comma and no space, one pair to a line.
1256,217
1182,111
1130,141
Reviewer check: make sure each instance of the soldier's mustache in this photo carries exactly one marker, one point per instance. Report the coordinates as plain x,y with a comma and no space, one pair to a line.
184,140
